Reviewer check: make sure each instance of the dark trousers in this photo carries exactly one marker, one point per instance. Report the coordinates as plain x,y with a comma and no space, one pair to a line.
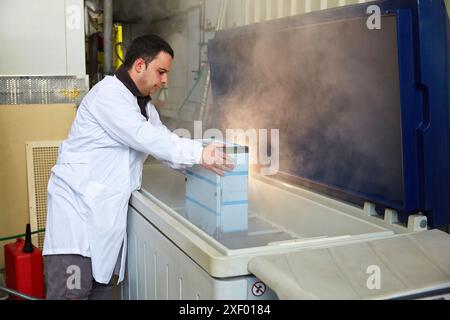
69,277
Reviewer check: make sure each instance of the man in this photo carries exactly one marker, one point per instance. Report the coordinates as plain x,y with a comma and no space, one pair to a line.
100,165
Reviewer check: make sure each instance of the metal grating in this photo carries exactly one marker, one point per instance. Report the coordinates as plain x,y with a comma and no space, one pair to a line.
41,157
43,89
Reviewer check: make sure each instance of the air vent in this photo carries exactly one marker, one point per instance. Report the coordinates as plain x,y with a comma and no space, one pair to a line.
41,157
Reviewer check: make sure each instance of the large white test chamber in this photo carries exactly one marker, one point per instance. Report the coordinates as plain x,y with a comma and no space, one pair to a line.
364,170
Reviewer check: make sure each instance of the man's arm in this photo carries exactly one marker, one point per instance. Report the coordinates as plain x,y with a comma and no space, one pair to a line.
125,124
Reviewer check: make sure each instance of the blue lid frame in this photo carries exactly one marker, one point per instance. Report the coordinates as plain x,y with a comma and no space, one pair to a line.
423,33
423,41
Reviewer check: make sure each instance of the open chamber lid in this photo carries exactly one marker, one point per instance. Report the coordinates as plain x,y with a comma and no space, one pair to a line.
363,114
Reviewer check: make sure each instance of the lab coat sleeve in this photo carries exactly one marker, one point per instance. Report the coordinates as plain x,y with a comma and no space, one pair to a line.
155,120
115,113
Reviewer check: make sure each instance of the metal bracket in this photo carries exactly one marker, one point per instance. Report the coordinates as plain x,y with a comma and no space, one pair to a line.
417,222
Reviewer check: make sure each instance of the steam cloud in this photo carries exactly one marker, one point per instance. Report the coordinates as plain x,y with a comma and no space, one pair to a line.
333,92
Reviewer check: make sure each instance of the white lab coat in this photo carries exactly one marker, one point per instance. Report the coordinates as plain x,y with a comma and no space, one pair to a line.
98,167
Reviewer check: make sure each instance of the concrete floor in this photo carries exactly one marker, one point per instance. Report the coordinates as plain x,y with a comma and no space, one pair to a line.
3,295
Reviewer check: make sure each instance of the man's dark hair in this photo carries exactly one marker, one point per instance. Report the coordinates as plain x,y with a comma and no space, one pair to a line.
146,47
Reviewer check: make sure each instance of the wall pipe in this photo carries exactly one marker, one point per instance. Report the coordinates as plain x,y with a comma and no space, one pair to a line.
107,36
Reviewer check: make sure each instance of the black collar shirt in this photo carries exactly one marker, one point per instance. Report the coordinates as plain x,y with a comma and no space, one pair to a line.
123,75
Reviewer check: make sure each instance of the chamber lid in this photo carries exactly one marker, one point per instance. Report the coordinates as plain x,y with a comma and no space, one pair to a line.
407,265
361,113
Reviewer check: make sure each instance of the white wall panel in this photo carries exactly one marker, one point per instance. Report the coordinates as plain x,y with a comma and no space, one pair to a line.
44,37
262,10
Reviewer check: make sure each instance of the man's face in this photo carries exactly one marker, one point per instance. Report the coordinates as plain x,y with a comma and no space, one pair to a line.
152,78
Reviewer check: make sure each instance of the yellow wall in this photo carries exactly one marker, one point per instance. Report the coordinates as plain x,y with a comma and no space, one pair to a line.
447,2
20,124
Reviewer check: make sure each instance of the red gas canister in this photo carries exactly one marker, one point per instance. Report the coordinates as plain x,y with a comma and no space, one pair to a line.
24,267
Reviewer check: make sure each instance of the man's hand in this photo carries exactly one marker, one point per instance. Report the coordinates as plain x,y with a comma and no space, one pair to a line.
215,160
